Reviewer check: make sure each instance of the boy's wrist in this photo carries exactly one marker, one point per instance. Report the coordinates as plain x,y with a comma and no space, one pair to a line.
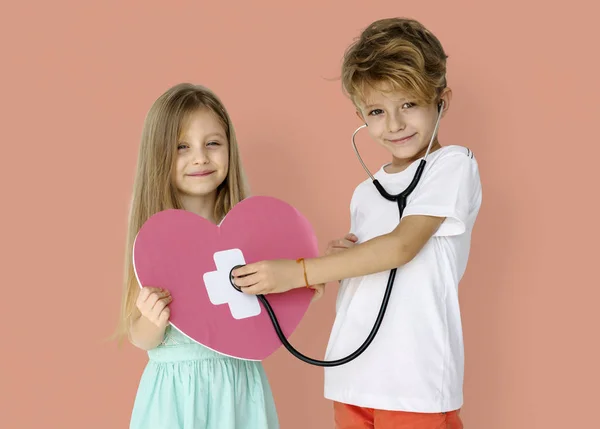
306,281
301,277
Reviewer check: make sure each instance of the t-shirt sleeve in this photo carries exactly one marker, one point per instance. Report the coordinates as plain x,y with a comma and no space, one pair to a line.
447,189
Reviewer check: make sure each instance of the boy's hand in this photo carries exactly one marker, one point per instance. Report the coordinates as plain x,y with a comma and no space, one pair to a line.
277,276
153,303
338,245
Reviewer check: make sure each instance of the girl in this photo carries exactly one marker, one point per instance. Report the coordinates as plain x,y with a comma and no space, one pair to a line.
188,160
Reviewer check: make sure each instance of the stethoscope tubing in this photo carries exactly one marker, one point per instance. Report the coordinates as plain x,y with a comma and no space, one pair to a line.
401,201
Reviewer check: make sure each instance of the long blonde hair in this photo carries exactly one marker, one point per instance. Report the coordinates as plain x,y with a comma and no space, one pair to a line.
153,189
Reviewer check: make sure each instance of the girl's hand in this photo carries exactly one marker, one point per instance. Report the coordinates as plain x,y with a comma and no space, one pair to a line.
338,245
334,246
319,292
153,303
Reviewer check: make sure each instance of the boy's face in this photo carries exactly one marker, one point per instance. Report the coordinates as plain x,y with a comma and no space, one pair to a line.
399,124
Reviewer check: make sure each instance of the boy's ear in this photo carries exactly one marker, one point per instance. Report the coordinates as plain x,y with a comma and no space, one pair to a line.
446,97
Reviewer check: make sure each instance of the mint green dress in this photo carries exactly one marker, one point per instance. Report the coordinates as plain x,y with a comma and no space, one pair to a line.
188,386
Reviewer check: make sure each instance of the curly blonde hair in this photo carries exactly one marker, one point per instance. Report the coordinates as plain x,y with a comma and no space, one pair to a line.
395,53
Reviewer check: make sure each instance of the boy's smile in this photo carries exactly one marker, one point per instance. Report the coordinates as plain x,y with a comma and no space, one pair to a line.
401,140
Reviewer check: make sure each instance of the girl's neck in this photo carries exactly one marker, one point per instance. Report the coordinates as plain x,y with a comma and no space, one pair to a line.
202,206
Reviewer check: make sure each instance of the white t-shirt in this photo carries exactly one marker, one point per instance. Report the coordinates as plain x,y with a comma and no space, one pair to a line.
415,363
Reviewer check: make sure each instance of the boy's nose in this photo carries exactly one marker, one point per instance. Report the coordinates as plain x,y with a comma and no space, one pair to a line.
395,123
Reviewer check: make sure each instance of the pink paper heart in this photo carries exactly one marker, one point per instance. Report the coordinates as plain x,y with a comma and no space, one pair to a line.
175,250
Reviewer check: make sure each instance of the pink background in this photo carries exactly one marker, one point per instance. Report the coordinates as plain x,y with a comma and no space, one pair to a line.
78,79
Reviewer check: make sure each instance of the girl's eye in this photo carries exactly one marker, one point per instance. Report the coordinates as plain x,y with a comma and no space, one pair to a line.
181,146
213,143
375,112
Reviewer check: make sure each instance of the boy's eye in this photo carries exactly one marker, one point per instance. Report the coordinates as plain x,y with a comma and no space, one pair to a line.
408,105
375,112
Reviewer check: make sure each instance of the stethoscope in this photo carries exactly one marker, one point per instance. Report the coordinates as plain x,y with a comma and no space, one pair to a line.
400,199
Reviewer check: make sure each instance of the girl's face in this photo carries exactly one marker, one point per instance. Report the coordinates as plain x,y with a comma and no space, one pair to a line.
202,160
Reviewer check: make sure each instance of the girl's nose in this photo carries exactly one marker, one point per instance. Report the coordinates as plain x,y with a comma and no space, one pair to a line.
201,156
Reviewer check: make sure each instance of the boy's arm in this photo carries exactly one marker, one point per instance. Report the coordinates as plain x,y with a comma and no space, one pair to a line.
379,254
446,192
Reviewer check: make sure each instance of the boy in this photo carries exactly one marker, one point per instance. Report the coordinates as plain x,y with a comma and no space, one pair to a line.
411,375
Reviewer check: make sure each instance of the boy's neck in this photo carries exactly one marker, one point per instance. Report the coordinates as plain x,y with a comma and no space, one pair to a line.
400,164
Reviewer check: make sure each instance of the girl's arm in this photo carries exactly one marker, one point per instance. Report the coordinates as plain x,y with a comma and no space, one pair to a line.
144,334
148,326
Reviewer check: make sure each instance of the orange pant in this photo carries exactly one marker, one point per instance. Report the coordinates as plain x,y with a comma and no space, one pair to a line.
351,417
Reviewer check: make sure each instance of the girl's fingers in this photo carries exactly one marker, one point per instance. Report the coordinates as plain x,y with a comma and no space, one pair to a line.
151,301
319,290
161,303
147,295
351,237
163,317
144,294
343,244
